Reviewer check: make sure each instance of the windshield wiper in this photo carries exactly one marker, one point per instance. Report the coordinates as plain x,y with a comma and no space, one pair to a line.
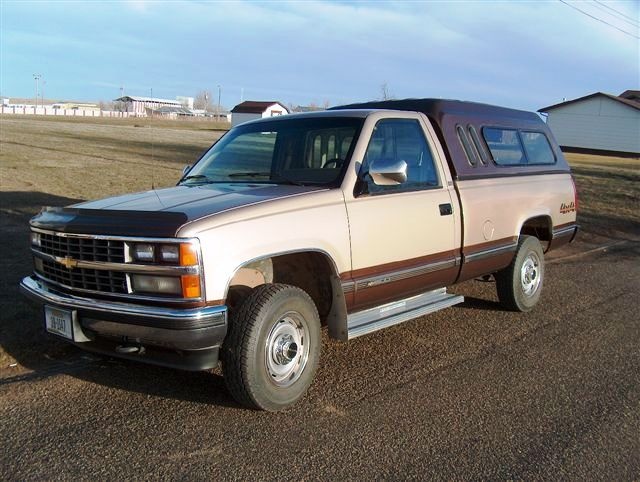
196,176
268,175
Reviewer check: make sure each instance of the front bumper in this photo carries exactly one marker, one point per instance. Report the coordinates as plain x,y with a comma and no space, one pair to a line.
188,339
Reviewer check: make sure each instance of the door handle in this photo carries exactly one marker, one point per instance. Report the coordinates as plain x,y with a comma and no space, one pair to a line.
446,209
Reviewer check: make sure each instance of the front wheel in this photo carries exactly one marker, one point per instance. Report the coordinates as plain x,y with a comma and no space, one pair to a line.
271,352
520,284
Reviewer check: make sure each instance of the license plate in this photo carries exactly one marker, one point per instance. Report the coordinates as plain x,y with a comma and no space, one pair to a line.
59,322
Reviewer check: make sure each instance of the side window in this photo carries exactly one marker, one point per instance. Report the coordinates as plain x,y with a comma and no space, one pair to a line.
401,139
469,152
504,145
482,152
538,148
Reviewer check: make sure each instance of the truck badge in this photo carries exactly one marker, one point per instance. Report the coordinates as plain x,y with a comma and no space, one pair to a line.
68,262
567,208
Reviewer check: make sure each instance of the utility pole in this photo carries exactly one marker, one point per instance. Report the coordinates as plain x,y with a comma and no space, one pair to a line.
44,82
37,78
218,110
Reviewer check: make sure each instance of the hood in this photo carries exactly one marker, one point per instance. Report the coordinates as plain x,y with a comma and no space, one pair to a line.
159,213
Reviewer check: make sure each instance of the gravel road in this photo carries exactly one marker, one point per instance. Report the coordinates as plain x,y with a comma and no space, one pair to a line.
471,392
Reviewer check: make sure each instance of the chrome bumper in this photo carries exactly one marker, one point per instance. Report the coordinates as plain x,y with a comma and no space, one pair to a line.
181,338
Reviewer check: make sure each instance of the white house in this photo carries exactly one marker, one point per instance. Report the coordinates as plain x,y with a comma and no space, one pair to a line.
253,109
597,122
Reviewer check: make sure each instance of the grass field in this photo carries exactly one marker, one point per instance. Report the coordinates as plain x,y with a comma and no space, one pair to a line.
58,161
609,193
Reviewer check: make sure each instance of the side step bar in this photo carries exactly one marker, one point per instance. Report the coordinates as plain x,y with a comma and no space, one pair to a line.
379,317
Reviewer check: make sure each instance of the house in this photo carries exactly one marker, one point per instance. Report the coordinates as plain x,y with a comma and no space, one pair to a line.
143,106
253,109
597,122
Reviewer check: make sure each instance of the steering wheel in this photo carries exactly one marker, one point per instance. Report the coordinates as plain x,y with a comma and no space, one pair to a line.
333,163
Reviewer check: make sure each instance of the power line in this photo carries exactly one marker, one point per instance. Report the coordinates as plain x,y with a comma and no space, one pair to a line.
599,19
634,20
636,25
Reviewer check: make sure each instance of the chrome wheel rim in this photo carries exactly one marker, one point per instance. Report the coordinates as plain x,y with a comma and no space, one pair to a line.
287,349
530,274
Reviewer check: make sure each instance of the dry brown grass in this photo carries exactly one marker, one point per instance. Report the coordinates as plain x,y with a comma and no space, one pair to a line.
609,193
97,158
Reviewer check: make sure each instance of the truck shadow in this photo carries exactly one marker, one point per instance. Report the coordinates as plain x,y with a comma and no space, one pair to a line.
22,336
473,303
204,387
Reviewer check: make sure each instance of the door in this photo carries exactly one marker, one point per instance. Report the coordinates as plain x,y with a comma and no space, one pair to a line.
402,236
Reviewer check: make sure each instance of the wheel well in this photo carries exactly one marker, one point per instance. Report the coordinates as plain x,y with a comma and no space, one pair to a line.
541,227
312,272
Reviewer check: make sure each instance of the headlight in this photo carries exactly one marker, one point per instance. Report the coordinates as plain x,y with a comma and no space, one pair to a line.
187,286
170,253
182,254
36,239
143,252
167,285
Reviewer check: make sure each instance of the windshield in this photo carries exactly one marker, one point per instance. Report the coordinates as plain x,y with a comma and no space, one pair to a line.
309,151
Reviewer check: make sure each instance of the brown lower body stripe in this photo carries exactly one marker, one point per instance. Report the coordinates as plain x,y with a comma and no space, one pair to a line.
375,285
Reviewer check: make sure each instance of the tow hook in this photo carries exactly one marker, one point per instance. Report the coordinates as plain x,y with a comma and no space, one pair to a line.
130,349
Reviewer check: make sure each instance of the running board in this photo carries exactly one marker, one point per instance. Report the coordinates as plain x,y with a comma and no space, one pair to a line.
390,314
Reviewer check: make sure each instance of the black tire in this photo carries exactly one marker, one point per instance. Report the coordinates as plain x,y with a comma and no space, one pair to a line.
520,284
272,348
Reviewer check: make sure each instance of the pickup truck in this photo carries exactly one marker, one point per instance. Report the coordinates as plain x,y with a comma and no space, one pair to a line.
356,218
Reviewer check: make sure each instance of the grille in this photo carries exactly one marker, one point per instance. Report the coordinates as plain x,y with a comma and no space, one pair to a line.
82,278
85,249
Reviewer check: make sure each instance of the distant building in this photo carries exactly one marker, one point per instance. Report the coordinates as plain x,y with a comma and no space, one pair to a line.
185,101
252,109
597,122
75,106
307,108
173,111
143,106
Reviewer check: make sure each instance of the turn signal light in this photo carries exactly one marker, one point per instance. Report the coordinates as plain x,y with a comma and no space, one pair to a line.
190,286
188,255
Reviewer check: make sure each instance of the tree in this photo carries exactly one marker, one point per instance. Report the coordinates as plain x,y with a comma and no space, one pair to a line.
203,101
384,91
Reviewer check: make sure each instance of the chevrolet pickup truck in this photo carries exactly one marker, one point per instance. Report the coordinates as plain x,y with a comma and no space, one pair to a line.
356,218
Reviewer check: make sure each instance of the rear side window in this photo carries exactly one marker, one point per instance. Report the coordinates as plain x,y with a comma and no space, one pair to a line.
538,148
504,145
466,145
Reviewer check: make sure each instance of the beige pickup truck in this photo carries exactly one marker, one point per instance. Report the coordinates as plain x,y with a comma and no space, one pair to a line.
356,218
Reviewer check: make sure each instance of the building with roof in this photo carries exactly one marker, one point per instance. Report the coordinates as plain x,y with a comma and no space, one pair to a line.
597,122
254,109
143,106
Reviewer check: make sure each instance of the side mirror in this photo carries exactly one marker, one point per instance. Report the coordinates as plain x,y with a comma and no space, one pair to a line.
185,169
385,172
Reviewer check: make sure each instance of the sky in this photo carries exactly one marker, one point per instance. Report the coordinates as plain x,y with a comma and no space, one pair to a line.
522,54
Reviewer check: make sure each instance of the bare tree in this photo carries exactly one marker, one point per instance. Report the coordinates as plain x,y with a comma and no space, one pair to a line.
107,105
203,101
384,92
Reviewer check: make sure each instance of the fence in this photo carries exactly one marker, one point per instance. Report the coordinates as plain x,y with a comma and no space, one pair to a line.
47,110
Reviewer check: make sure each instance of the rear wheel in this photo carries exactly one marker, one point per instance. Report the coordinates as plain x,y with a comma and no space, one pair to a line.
271,352
520,284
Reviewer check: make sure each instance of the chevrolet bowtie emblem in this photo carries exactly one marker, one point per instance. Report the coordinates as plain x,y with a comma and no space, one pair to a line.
68,262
